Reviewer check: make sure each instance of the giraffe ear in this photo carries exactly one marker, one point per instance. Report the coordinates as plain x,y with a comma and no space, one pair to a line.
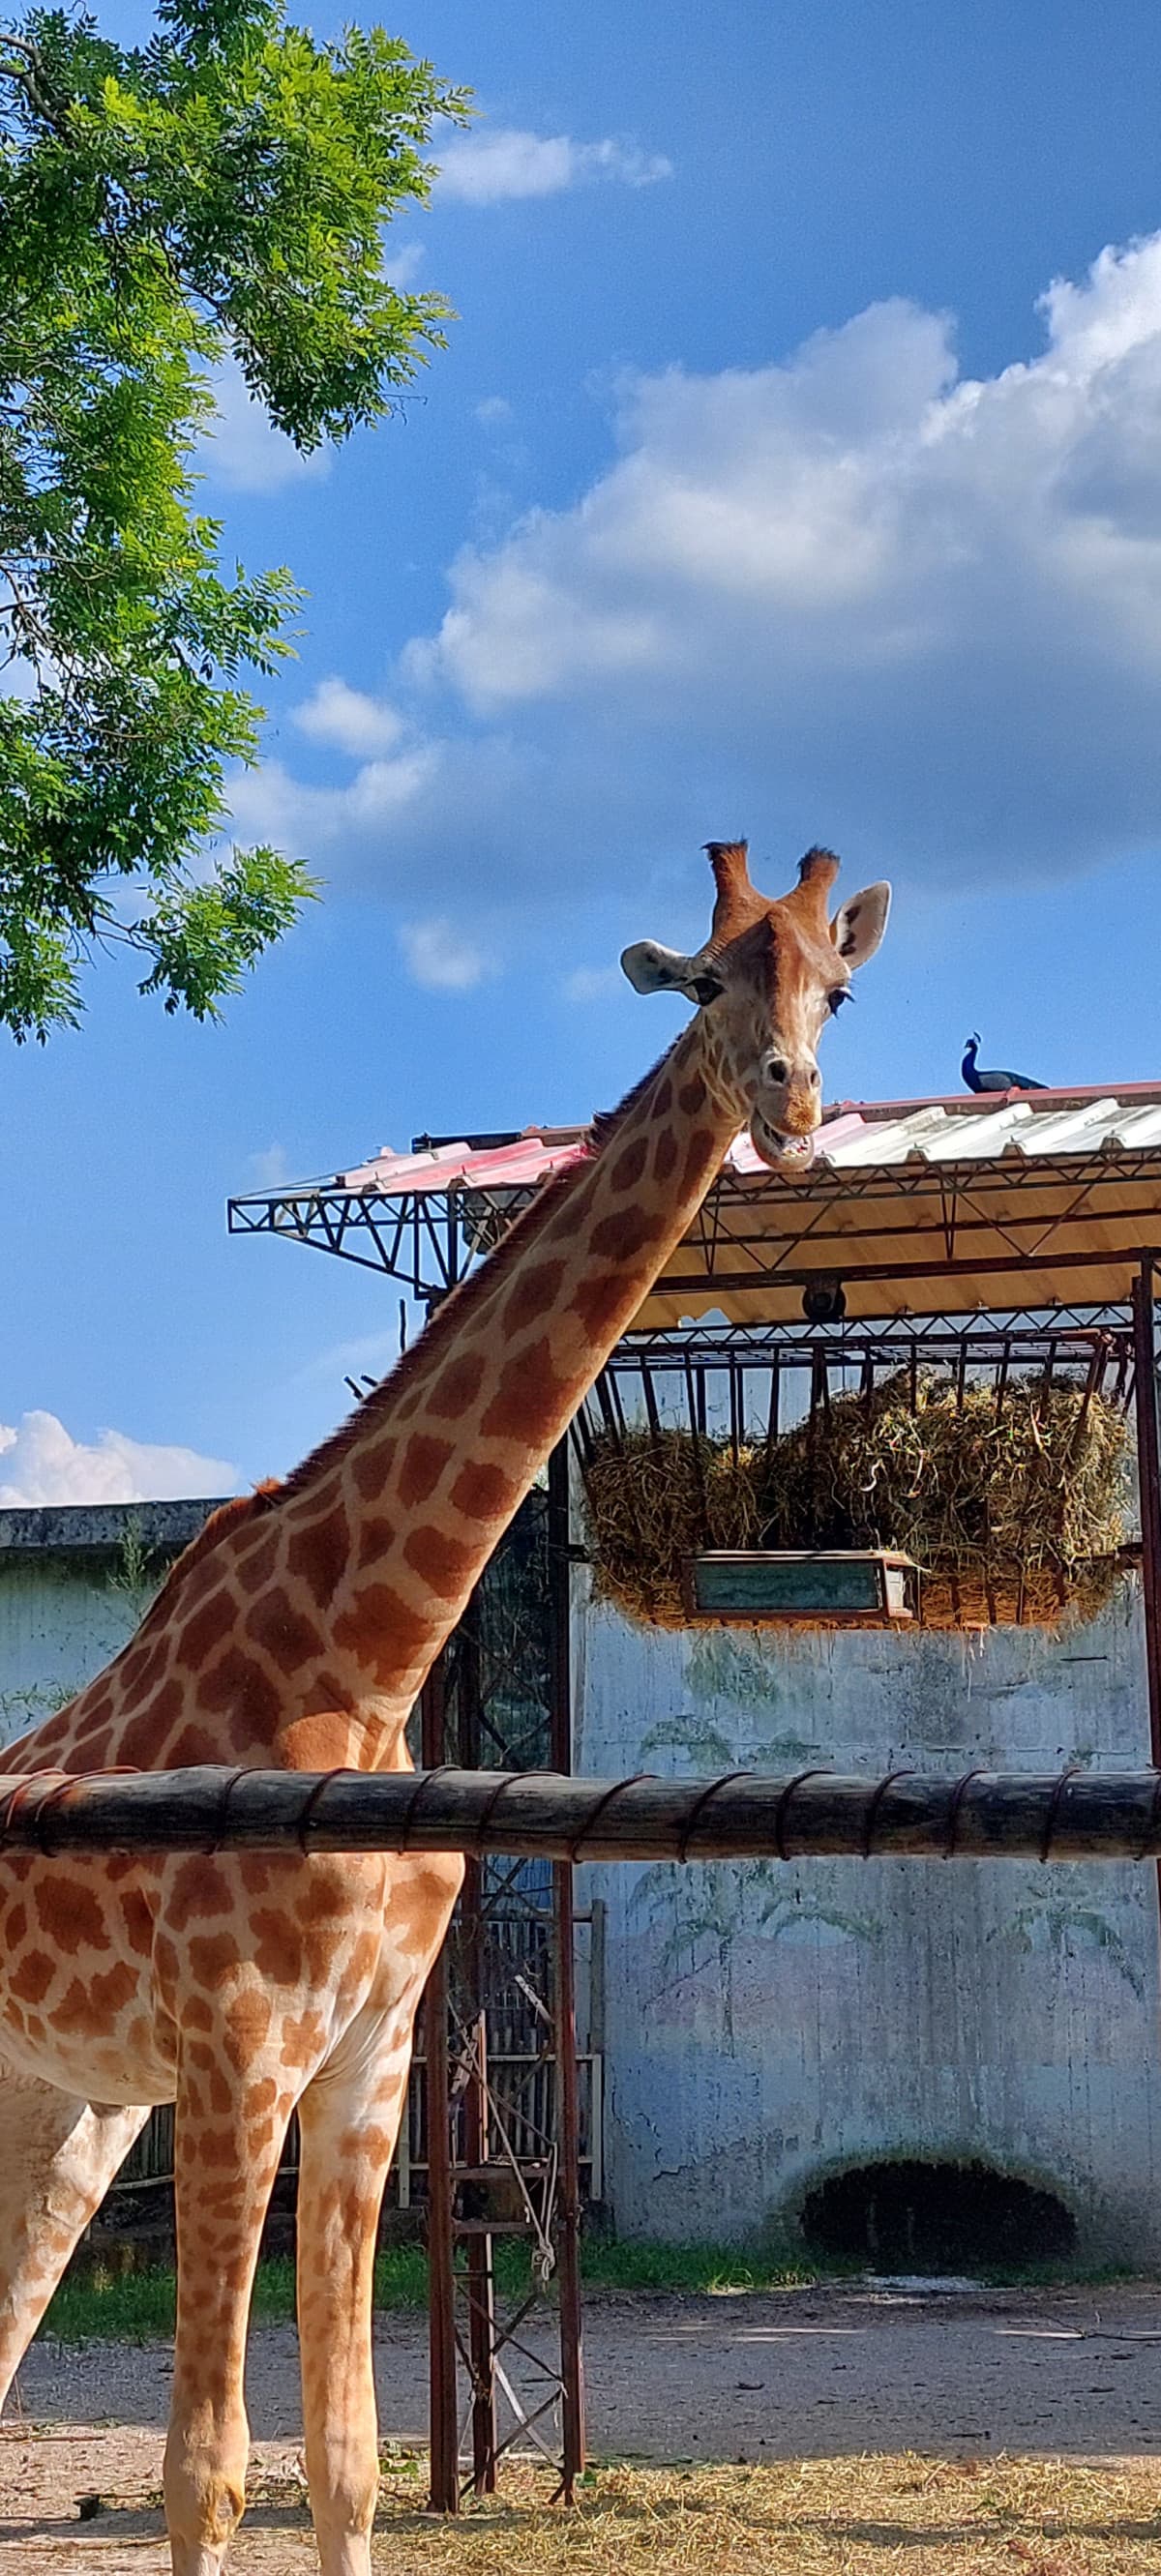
857,929
652,969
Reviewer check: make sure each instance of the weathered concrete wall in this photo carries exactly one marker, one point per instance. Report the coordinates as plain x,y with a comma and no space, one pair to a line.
768,2024
74,1582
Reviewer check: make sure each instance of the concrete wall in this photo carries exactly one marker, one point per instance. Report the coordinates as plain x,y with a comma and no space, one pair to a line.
74,1582
768,2024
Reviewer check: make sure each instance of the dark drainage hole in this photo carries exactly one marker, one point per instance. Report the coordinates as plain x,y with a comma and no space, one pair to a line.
916,2217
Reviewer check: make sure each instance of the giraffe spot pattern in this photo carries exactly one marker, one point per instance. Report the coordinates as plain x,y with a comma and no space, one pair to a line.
383,1630
630,1165
371,1468
210,1954
194,1744
692,1096
601,1303
532,1296
457,1387
200,1886
441,1562
483,1493
319,1555
139,1739
665,1156
377,1537
30,1981
528,1390
206,1629
70,1916
255,1564
622,1237
699,1152
236,1683
423,1464
285,1633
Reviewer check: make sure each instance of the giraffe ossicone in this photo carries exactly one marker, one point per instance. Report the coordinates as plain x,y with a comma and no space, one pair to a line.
296,1632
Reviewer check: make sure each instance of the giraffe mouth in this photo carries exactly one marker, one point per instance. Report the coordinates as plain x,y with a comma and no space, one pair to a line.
782,1152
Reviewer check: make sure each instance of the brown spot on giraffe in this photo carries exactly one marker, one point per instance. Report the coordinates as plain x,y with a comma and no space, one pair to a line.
483,1492
600,1302
71,1916
319,1554
371,1469
531,1296
665,1157
440,1562
238,1685
624,1236
215,1620
629,1166
32,1977
698,1156
457,1387
200,1886
423,1464
528,1388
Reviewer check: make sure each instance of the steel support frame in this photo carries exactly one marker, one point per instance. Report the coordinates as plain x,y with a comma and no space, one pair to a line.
486,2333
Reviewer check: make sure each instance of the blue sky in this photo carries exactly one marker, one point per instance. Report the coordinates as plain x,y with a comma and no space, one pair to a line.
794,469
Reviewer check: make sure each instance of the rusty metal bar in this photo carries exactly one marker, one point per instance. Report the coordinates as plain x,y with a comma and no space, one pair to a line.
444,2496
1149,1473
1101,1815
564,1996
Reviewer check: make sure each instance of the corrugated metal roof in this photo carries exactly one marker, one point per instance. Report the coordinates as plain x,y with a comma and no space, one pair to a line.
920,1207
933,1131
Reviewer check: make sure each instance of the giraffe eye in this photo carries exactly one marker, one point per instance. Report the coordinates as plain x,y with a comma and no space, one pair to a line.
834,1001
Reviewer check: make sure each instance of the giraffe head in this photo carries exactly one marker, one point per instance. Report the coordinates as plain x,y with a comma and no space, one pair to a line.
770,975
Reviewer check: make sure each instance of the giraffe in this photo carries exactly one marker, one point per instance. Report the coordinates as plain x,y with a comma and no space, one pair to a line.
296,1632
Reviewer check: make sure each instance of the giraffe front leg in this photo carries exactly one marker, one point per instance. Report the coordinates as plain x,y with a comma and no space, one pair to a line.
349,2119
233,2110
58,2157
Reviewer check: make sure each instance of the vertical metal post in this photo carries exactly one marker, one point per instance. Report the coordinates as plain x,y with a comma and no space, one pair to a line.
1149,1477
567,2090
481,2280
444,2431
480,2270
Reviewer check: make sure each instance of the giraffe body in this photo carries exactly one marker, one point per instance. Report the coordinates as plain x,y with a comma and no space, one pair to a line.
296,1633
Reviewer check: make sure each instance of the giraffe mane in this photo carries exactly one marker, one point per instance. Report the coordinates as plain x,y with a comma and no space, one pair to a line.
220,1524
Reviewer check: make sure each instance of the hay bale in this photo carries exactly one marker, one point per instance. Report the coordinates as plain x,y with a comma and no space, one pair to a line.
1015,1510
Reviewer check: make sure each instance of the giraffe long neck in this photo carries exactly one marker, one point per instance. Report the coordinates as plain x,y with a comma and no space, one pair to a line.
398,1521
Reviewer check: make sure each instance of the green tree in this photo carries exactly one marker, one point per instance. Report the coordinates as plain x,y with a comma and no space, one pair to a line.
221,191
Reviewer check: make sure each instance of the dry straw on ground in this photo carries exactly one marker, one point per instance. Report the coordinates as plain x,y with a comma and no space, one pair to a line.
1012,1502
854,2516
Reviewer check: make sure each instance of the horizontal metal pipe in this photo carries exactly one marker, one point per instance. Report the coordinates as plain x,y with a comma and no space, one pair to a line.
981,1815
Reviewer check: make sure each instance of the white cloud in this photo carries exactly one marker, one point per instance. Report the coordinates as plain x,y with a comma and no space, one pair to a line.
244,451
592,983
851,596
270,1168
344,716
441,958
42,1463
401,266
495,411
506,161
876,599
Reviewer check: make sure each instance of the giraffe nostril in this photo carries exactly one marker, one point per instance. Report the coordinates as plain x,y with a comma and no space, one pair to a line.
815,1076
778,1069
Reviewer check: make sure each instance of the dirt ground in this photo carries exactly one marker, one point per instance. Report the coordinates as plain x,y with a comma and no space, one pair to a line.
808,2376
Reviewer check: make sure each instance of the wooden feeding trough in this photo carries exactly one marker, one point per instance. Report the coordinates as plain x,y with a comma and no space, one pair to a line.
848,1587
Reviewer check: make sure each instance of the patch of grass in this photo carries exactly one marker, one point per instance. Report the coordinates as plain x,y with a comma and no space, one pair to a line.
138,2307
